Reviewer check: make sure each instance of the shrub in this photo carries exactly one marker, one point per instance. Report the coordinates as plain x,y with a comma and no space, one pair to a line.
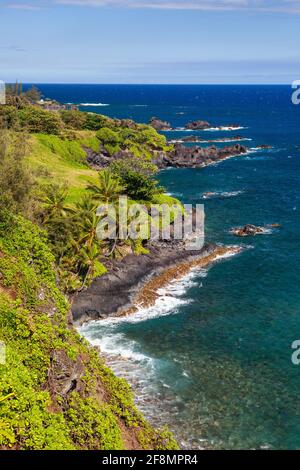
33,94
93,425
16,181
108,136
69,150
136,175
35,119
74,119
94,122
9,117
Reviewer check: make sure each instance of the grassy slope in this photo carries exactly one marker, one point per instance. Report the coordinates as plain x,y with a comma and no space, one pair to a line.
55,391
62,161
57,161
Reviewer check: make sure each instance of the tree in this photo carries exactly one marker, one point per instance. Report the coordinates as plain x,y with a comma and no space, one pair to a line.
35,119
108,188
73,118
85,207
89,256
16,180
54,204
33,94
57,217
88,230
94,122
9,117
136,175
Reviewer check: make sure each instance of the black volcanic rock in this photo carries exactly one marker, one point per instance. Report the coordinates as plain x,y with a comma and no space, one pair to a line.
97,160
160,125
196,157
102,158
191,138
247,230
197,125
113,292
265,146
180,157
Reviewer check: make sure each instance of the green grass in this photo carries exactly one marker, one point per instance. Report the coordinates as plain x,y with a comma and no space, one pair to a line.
60,161
57,160
88,139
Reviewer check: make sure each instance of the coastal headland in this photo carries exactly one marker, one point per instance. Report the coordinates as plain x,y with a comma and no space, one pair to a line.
137,279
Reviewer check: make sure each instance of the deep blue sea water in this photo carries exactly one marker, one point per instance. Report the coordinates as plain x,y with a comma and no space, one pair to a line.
212,359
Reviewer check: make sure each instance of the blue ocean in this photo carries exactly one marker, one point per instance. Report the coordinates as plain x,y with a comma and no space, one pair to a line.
212,358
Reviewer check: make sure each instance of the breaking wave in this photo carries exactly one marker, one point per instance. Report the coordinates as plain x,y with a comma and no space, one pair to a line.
94,104
220,194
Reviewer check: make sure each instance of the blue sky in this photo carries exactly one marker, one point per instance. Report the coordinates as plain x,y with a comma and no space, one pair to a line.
150,41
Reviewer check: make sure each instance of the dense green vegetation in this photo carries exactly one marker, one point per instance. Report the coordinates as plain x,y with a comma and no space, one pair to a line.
68,192
55,391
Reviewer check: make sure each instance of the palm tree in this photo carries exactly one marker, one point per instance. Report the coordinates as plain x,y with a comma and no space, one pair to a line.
88,230
55,205
86,206
108,188
88,257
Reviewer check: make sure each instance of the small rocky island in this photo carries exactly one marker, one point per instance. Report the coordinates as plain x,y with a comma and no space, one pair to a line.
250,230
197,125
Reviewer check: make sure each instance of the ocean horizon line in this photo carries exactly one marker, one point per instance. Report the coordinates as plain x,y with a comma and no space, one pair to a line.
156,84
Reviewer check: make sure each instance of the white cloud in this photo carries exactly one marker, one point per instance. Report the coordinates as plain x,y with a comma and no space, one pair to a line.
162,4
21,6
286,6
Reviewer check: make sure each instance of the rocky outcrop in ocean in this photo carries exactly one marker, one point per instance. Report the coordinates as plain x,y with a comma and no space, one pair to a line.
251,230
160,125
197,125
196,157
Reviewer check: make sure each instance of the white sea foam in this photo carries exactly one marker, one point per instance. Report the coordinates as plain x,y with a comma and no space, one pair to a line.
213,141
225,128
167,303
169,299
221,194
123,353
228,254
209,129
175,194
124,356
94,104
117,345
243,156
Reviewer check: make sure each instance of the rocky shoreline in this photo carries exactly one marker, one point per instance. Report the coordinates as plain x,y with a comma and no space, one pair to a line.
180,157
198,140
197,157
133,282
198,125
